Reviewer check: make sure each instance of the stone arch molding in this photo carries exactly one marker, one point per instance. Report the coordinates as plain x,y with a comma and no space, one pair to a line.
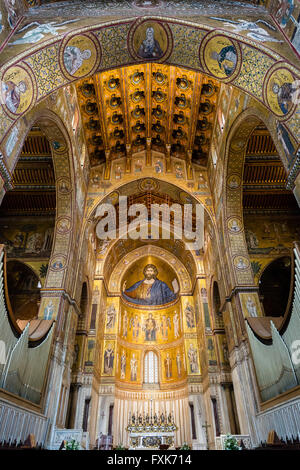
237,251
45,67
114,284
94,199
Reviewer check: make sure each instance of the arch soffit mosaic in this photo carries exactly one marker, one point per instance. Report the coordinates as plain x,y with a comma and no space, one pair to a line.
111,252
115,254
183,185
93,203
253,67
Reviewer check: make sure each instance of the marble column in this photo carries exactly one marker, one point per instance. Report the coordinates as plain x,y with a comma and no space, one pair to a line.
73,397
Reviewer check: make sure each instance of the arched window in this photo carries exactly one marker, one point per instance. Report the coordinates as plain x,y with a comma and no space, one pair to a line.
150,368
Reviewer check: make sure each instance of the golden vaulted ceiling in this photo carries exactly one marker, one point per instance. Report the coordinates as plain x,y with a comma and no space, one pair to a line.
148,106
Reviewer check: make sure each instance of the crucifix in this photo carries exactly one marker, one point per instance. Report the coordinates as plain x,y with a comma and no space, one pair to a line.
102,415
206,426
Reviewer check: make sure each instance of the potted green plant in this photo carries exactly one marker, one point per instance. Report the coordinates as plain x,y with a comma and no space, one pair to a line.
72,445
185,446
120,447
230,443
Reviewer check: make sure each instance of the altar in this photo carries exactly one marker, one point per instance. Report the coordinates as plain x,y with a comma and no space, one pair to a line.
151,432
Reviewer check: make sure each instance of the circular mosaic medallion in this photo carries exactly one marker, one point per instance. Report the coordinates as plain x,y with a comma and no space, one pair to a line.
18,90
281,91
238,144
150,40
233,181
58,263
80,55
148,184
241,262
64,186
63,225
234,225
59,146
220,56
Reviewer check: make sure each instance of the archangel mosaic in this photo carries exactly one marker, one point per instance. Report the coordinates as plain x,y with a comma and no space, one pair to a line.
153,122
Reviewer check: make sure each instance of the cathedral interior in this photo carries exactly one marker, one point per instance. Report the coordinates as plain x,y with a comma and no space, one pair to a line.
110,111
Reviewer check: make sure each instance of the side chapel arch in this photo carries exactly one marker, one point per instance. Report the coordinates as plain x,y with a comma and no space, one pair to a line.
237,254
60,262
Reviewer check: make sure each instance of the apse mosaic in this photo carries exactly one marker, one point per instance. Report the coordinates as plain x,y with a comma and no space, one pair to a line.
192,356
179,262
111,317
150,290
132,364
129,366
138,326
189,316
150,283
109,358
173,362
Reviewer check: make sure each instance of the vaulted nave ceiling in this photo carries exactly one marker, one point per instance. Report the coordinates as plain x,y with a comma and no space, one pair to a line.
154,106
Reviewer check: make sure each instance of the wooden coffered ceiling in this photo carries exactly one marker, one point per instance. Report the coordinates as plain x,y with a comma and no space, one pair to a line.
156,106
33,179
264,180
